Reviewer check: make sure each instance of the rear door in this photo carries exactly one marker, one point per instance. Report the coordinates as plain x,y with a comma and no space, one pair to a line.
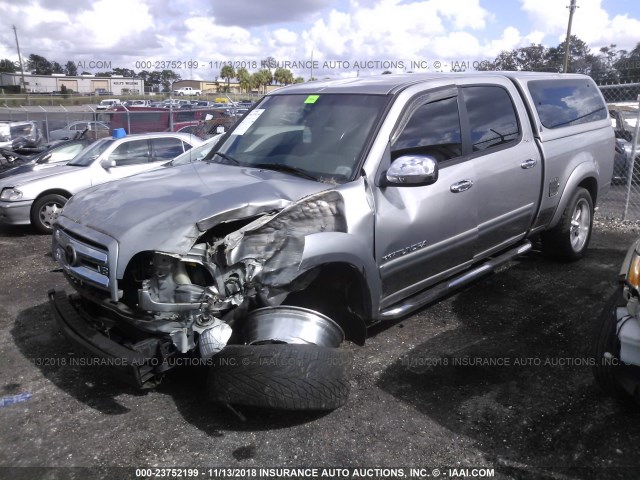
506,161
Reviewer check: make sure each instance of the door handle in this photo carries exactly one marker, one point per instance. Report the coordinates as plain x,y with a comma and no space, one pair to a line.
530,163
461,186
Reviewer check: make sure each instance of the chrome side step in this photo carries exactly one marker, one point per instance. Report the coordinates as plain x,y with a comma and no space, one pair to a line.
440,290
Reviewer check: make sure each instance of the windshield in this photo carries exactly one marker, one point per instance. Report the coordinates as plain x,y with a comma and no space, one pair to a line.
89,154
319,135
195,154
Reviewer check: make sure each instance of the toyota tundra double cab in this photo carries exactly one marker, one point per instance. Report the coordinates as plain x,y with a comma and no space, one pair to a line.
330,207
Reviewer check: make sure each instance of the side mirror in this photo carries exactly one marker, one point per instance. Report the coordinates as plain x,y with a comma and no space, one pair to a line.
412,171
44,159
107,163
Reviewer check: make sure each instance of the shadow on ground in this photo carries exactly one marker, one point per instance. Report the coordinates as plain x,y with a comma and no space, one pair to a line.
515,376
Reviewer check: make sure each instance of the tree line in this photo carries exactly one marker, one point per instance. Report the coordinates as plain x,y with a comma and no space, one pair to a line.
609,65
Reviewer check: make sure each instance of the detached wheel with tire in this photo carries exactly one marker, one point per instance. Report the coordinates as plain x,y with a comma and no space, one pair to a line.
606,350
281,376
568,241
45,211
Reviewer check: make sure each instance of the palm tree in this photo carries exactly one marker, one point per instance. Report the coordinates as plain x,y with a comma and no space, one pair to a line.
244,78
228,72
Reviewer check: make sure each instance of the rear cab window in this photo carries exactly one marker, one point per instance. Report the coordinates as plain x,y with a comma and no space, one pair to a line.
567,102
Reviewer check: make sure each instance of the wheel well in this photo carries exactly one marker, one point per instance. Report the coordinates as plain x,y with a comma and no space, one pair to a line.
592,187
55,191
339,291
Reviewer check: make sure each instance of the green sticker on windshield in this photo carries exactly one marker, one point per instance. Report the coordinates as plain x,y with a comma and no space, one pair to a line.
312,99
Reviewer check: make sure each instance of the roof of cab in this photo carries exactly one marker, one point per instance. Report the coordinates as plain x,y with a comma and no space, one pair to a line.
392,83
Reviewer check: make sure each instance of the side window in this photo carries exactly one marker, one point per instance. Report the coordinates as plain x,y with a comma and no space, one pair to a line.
78,126
131,153
433,129
492,117
166,148
66,153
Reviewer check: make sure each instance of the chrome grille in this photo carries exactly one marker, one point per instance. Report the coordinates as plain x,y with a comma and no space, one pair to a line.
82,260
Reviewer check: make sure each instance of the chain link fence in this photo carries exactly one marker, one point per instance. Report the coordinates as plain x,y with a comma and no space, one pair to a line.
622,202
57,123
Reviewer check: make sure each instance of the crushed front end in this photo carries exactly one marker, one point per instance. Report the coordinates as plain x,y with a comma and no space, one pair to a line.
169,309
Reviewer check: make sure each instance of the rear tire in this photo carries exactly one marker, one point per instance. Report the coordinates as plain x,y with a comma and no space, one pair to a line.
569,239
45,211
281,376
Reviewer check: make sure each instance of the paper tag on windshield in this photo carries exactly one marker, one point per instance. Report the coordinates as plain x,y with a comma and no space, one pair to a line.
248,121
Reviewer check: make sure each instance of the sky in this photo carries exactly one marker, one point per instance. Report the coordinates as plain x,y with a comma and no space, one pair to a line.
338,38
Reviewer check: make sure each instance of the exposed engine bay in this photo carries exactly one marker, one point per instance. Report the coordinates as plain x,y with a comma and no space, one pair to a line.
210,290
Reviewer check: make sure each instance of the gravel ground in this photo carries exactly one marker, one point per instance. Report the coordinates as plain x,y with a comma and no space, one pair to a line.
426,391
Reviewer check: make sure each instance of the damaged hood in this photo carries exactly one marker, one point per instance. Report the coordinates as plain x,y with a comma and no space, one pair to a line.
168,209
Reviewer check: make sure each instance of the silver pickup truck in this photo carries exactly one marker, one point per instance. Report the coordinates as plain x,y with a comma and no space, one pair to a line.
330,207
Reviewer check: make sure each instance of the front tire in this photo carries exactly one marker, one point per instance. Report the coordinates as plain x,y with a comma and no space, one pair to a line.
568,241
281,376
45,211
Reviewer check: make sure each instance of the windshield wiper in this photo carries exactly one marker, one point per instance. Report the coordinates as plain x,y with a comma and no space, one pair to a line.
279,167
226,157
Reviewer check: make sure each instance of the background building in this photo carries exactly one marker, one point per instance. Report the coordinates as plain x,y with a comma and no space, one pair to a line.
84,84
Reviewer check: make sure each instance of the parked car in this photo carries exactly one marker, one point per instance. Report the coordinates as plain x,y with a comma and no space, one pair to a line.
55,153
616,346
37,198
186,127
332,206
187,91
203,103
205,128
75,128
136,103
20,134
108,104
623,120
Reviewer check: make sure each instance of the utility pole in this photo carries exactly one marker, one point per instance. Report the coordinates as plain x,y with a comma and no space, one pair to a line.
572,7
15,32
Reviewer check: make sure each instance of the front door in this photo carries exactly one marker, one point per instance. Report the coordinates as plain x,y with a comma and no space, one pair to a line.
423,234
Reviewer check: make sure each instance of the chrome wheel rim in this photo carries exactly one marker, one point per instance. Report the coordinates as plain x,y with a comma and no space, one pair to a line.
580,223
49,213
